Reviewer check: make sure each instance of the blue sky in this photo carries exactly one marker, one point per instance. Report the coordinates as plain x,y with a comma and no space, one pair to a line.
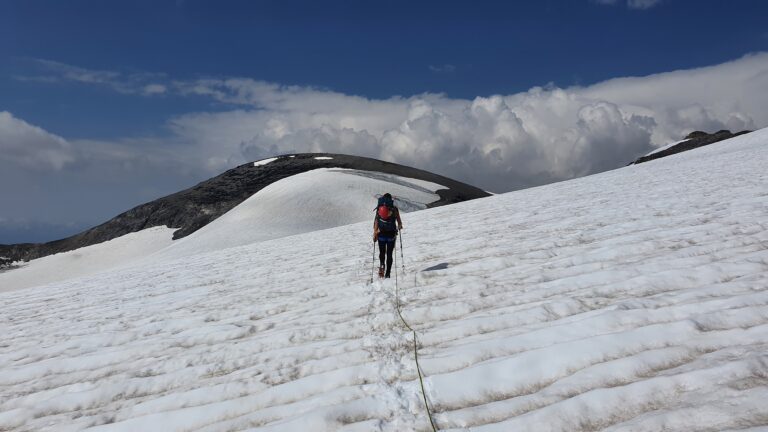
373,49
148,87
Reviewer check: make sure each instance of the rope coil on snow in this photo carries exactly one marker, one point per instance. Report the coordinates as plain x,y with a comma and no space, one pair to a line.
415,345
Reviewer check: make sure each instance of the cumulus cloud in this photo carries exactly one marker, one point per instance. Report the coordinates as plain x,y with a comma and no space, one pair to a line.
500,142
30,146
85,181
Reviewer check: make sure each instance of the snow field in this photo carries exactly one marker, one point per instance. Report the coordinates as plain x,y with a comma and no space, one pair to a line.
279,210
633,300
115,253
314,200
264,161
163,350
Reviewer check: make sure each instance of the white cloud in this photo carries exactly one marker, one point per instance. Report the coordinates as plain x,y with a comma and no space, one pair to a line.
500,143
642,4
632,4
49,71
446,68
74,73
31,147
25,147
153,89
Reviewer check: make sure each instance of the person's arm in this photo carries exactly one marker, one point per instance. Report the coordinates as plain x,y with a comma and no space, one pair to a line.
375,229
399,222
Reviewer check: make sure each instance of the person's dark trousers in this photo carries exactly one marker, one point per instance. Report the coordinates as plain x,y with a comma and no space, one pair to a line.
386,246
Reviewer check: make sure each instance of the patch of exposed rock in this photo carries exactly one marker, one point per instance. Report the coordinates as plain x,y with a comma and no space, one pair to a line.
693,140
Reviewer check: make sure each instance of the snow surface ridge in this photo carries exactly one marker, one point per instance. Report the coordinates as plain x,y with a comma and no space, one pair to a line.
632,300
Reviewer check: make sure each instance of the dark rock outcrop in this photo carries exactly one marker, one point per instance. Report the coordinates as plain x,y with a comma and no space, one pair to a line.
193,208
693,140
5,262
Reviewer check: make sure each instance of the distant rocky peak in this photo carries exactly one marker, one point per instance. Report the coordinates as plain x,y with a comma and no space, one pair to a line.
691,141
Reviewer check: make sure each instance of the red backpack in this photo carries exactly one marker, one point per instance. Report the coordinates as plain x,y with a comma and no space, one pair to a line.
386,216
384,212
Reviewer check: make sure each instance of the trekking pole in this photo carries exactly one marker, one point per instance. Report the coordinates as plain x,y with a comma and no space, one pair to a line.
401,251
397,291
373,260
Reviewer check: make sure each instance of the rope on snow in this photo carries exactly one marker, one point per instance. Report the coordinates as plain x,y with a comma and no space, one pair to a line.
415,344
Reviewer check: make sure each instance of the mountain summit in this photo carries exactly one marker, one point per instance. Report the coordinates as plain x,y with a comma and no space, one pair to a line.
254,202
189,210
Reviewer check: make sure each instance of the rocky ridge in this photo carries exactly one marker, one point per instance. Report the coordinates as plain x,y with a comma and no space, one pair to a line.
693,140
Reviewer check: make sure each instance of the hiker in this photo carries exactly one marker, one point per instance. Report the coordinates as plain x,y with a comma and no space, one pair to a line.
385,227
